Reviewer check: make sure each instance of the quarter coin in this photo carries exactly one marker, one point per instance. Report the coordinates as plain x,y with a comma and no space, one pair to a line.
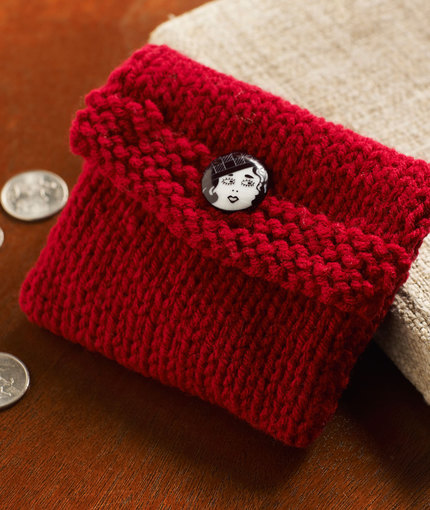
34,195
14,379
1,237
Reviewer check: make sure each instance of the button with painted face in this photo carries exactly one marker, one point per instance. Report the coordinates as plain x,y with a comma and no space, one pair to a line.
235,181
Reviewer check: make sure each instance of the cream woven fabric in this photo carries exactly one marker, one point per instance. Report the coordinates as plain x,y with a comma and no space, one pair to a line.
362,63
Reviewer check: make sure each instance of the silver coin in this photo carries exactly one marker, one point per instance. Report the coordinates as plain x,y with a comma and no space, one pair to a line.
1,237
14,379
34,195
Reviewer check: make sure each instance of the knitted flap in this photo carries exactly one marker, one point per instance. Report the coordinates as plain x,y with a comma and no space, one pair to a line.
297,286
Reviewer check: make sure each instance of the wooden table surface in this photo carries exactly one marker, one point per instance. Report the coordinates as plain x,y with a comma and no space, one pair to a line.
90,434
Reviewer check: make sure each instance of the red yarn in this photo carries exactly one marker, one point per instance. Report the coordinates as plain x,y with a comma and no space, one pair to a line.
263,313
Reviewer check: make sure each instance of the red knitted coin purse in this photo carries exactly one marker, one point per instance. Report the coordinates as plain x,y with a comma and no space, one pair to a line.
263,312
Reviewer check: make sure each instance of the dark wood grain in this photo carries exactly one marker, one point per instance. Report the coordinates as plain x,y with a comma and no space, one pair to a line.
90,434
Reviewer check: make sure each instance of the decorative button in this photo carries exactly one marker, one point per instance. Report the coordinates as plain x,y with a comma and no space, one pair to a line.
235,182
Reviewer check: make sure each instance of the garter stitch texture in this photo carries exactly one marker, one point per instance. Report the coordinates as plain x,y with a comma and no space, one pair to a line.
262,313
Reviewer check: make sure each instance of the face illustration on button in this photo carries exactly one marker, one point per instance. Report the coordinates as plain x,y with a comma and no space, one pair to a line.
235,182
